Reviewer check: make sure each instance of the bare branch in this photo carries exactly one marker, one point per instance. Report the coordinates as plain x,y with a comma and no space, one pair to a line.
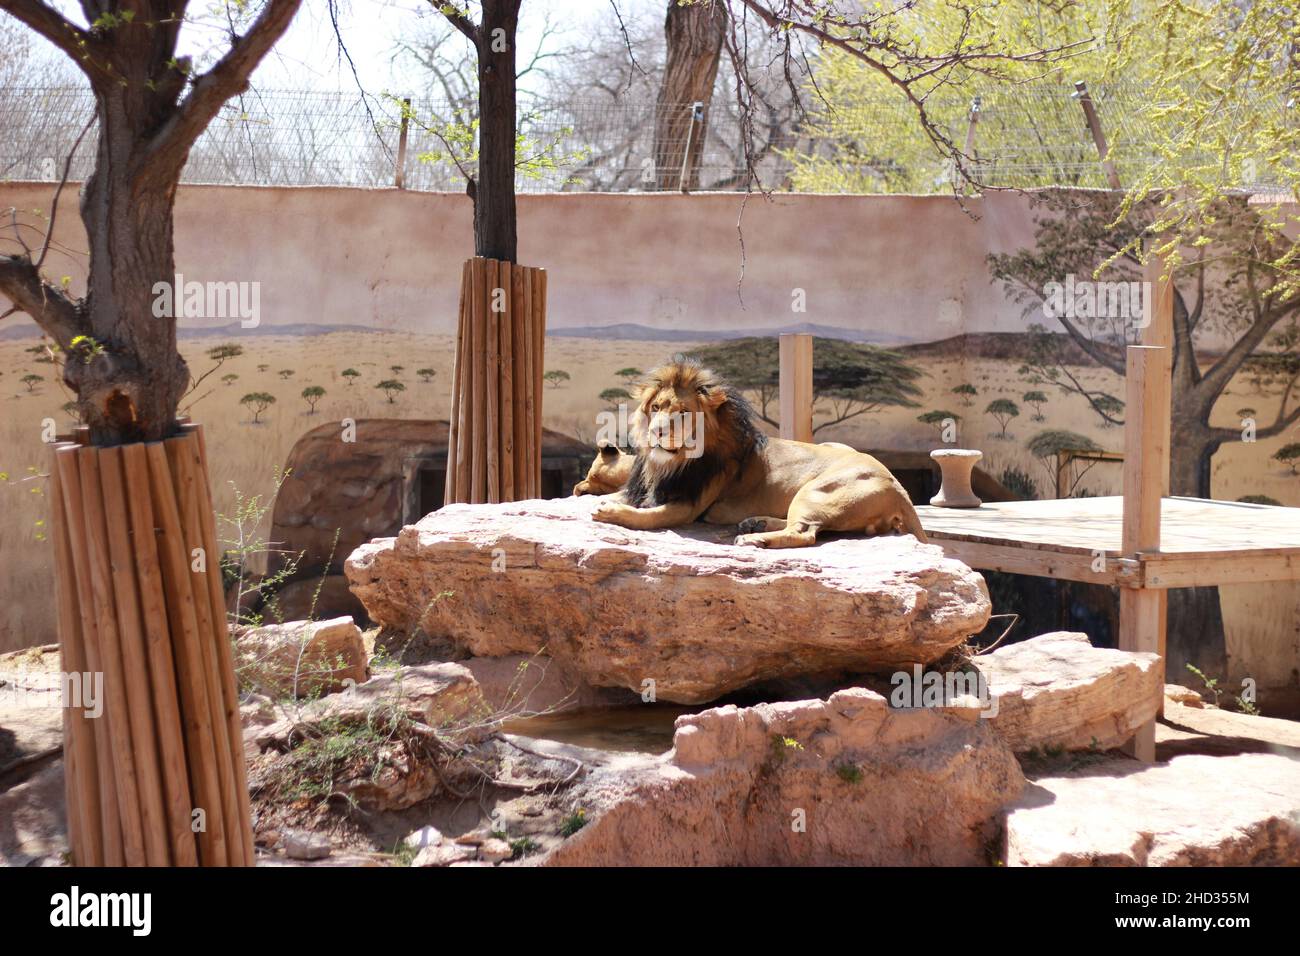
227,78
459,19
68,37
58,314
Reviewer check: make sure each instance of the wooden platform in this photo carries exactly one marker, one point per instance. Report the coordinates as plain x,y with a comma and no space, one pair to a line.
1202,543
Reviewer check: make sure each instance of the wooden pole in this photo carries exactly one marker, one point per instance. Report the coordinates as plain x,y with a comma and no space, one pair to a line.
110,824
84,822
200,745
539,365
182,457
505,382
478,361
796,386
1141,623
492,362
138,685
241,839
495,439
153,610
454,432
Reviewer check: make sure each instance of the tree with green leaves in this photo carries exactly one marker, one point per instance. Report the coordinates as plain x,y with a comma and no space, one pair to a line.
391,387
230,378
555,377
1003,409
257,403
849,378
629,375
426,374
31,380
311,395
350,374
1226,292
286,373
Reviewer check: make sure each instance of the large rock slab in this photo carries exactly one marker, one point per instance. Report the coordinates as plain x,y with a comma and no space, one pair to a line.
684,609
1241,810
1058,692
841,781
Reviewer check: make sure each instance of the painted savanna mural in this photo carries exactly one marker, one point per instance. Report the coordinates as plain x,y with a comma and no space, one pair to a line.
928,318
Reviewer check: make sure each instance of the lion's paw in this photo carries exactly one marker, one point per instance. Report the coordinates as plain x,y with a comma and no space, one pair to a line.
751,540
751,525
607,512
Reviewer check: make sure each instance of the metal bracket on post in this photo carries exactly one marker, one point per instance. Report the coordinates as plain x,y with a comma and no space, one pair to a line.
697,117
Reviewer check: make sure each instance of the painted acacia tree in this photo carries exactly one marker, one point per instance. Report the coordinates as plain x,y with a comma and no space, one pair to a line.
150,109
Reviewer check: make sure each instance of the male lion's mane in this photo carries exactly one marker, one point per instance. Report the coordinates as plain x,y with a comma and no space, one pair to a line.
731,434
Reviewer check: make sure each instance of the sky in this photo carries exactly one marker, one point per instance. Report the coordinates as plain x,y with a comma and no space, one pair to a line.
308,57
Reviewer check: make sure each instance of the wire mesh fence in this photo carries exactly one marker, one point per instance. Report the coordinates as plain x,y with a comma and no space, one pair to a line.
1021,136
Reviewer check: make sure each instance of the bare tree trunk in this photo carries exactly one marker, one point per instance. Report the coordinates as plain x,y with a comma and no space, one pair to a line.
494,194
694,35
131,390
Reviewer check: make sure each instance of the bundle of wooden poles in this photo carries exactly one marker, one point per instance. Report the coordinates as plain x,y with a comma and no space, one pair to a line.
494,452
157,778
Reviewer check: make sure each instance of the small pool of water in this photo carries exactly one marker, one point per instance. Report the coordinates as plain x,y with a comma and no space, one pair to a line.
644,728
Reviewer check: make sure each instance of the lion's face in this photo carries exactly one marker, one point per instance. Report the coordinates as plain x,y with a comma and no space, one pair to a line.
676,412
608,473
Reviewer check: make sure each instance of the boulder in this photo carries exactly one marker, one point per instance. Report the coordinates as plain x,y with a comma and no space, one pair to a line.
304,845
1240,810
1184,695
440,695
682,613
444,854
317,598
301,658
1057,691
846,780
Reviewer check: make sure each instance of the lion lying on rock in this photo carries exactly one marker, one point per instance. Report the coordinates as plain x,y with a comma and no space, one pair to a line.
701,457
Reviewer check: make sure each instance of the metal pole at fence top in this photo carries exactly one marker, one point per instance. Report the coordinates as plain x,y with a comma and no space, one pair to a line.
399,180
1098,135
697,115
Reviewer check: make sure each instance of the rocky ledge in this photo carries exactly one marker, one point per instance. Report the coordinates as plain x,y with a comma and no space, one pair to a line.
682,614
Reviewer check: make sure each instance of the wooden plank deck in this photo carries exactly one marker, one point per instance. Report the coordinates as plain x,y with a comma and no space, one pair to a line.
1202,542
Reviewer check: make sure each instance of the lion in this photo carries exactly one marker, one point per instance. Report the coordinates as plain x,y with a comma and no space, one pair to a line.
700,456
609,472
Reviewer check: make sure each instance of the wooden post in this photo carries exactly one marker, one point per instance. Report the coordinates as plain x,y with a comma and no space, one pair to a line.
495,440
1147,423
399,179
1098,135
492,362
796,386
538,320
